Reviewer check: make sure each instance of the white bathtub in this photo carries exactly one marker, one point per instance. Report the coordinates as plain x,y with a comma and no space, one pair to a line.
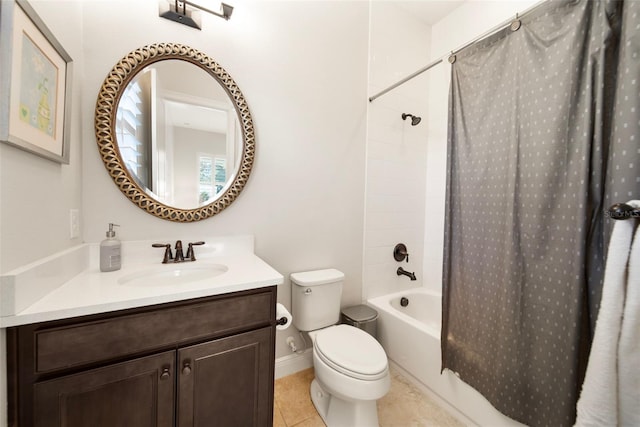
411,337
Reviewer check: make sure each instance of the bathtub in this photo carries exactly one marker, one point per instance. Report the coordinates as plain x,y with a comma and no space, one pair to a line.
411,337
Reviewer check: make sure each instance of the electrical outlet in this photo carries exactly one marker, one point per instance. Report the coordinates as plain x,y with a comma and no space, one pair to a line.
74,223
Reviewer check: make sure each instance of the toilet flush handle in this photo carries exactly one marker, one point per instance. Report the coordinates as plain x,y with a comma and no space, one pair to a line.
308,291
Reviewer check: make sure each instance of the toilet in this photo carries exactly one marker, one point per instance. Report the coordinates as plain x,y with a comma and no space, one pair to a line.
351,369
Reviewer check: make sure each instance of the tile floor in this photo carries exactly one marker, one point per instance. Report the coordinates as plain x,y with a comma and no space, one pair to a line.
404,406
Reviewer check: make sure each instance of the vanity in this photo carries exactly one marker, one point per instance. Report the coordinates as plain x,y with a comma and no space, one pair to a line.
150,345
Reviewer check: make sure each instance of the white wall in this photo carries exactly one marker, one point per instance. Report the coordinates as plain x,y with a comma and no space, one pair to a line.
396,151
36,193
302,68
464,24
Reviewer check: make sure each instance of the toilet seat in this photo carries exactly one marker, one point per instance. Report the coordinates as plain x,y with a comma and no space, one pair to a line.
352,352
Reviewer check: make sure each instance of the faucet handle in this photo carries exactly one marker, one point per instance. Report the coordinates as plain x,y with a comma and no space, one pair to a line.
168,256
400,252
190,252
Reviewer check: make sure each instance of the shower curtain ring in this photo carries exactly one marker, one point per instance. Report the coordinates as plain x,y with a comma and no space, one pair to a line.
515,24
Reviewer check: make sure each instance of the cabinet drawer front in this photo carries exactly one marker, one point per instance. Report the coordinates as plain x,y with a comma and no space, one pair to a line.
85,343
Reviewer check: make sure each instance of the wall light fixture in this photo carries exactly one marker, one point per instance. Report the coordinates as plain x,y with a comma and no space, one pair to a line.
176,10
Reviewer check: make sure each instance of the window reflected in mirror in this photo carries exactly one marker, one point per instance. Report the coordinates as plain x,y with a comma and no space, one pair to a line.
213,176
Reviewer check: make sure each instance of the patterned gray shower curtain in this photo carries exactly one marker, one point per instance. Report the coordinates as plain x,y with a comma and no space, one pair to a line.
544,135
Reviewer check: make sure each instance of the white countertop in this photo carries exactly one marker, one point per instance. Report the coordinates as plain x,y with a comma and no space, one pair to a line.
92,291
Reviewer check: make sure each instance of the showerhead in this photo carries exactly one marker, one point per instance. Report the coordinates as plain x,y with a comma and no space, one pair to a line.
414,119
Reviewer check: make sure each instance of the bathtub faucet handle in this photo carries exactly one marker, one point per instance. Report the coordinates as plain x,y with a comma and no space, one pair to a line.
400,252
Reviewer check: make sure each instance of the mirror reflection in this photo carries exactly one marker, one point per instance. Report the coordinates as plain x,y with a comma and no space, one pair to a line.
178,134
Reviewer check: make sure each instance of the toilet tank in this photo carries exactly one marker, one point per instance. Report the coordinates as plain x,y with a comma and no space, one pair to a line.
315,298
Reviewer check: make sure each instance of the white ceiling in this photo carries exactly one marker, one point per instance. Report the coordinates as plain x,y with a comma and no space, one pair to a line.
182,114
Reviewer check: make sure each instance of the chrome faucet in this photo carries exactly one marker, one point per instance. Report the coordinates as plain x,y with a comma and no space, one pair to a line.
401,271
180,257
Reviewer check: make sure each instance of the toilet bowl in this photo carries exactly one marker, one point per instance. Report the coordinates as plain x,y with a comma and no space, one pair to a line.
351,367
351,374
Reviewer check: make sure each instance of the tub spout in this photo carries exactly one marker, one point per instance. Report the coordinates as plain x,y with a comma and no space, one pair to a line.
401,271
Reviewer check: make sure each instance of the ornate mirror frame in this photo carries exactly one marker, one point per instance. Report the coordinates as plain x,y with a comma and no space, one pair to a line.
105,118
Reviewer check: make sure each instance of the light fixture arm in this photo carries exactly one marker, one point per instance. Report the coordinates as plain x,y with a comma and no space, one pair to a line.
226,9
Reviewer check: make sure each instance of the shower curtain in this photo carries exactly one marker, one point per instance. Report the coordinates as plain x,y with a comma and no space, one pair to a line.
544,133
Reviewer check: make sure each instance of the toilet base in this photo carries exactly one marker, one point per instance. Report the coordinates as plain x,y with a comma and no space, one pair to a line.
336,412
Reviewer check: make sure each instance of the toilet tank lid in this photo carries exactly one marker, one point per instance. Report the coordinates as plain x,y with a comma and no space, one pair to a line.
317,277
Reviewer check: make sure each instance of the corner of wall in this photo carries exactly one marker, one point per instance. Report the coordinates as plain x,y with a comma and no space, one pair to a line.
396,151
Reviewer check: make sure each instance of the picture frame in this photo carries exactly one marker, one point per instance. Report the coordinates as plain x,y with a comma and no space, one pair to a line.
35,84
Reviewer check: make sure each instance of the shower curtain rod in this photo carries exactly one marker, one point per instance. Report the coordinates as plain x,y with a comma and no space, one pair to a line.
491,31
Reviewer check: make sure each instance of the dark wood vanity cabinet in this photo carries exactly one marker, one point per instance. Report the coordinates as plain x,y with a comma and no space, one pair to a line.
202,362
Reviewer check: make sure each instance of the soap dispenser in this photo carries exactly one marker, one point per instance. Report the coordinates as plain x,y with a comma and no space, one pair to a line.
110,251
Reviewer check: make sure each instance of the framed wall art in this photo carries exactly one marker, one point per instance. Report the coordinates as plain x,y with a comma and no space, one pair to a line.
35,84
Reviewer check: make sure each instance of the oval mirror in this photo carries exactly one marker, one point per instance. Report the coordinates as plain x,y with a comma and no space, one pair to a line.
174,132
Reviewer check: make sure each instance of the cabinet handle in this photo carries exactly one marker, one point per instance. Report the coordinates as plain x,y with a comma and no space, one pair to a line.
165,373
186,368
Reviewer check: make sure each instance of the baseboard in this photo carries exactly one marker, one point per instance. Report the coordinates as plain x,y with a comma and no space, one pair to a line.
292,363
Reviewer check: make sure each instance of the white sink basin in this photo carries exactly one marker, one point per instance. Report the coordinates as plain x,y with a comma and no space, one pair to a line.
170,275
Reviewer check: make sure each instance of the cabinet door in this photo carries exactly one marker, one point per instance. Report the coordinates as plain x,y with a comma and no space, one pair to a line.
227,382
138,393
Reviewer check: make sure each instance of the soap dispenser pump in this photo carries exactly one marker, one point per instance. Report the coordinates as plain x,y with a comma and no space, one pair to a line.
110,259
